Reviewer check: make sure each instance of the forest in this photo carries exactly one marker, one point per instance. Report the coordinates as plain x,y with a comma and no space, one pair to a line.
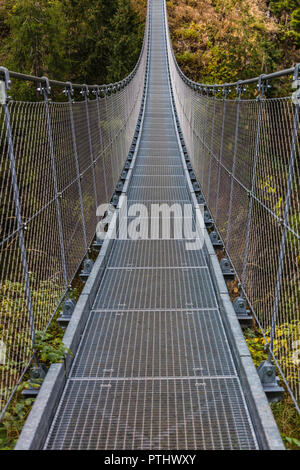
219,41
98,41
95,41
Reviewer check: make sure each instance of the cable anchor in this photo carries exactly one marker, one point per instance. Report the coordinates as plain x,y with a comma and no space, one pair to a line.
84,91
68,90
296,86
44,86
4,85
262,86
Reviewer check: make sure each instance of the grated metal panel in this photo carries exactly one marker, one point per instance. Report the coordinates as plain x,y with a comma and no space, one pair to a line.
154,253
133,205
159,114
159,144
155,170
153,344
160,151
159,110
159,228
158,181
157,160
152,414
158,194
156,288
158,134
155,127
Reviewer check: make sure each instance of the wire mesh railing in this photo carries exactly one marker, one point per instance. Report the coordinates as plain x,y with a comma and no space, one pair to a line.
245,153
59,162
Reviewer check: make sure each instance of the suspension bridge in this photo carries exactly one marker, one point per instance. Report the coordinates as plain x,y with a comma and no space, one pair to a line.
160,360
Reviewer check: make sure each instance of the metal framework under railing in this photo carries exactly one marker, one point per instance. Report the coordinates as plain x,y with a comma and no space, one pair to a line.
59,162
245,153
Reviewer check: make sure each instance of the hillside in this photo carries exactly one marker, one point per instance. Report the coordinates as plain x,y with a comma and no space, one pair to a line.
224,40
92,41
97,41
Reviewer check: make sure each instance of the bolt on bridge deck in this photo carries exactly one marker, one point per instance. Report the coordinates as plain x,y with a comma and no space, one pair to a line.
154,369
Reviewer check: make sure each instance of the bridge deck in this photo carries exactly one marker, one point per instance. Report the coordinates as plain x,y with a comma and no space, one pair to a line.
154,369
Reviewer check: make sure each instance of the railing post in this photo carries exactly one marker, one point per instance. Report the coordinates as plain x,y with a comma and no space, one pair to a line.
225,93
109,134
296,82
211,145
201,128
126,101
69,92
262,87
45,90
204,133
96,91
20,224
85,92
118,139
124,147
113,137
239,91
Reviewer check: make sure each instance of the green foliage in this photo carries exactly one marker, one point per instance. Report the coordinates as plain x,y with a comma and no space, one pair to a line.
14,312
95,27
288,421
295,23
13,421
280,6
285,347
256,344
92,41
220,41
293,441
124,47
285,413
17,339
37,36
288,13
50,348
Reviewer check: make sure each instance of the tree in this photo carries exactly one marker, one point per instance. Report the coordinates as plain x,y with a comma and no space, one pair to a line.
125,39
288,12
295,23
37,37
87,41
98,31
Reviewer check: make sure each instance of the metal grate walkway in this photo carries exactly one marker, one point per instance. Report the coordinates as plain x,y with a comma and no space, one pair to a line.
154,369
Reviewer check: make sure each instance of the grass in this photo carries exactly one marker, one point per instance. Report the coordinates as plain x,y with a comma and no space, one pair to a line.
288,422
19,408
285,413
50,349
